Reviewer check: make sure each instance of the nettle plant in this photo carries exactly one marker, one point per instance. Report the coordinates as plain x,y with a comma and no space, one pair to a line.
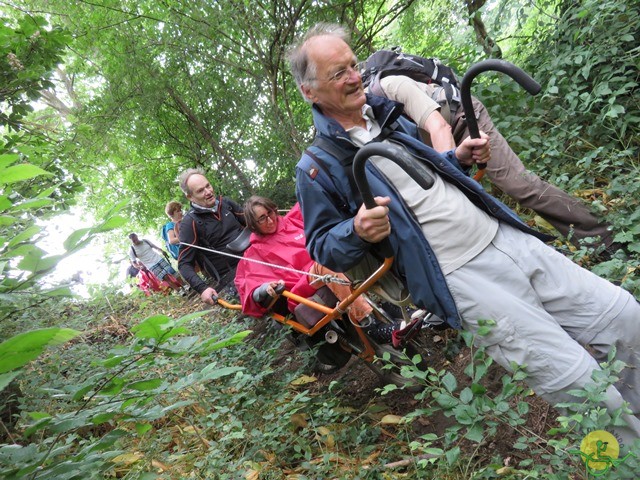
125,395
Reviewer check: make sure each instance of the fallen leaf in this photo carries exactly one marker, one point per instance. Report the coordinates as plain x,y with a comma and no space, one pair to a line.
391,419
268,456
159,465
504,471
303,380
371,458
325,436
299,421
128,458
251,475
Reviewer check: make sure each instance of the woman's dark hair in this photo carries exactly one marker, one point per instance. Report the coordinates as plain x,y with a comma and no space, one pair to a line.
250,216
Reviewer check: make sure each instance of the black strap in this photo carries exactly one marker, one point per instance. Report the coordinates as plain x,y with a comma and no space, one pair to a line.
345,156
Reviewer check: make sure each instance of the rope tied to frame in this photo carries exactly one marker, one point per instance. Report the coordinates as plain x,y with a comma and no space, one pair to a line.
327,278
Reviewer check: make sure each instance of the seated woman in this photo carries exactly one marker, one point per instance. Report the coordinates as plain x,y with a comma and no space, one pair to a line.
280,240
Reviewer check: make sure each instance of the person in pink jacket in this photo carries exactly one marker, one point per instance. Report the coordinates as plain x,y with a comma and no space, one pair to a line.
279,240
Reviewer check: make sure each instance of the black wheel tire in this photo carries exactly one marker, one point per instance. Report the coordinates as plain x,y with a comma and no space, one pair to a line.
398,359
329,357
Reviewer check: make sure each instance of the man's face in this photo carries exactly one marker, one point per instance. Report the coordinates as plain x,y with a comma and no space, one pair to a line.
134,239
201,191
337,97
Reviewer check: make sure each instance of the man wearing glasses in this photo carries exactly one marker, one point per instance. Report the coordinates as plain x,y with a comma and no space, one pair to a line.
212,223
463,255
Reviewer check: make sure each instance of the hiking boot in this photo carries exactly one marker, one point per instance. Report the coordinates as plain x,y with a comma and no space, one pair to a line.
381,332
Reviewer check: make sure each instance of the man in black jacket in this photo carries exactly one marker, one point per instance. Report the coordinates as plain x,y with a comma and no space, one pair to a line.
212,223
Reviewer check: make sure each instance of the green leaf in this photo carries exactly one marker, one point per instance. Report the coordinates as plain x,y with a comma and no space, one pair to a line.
5,203
615,111
33,262
446,401
449,382
113,361
22,348
478,389
40,424
112,223
6,220
452,455
523,408
213,344
63,291
7,378
103,417
152,327
475,433
212,372
25,235
80,393
32,204
142,428
19,173
145,385
6,160
75,238
466,395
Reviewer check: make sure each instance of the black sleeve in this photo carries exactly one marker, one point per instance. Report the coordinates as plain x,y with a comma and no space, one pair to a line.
189,255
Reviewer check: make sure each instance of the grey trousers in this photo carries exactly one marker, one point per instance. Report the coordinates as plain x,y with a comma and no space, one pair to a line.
552,317
507,172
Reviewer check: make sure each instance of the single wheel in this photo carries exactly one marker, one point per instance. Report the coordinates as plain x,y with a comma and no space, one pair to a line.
329,357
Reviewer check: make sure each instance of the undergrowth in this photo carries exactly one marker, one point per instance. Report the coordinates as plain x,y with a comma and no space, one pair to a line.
179,394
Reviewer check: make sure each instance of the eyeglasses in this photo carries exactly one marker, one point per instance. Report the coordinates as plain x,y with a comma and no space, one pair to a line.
268,216
344,74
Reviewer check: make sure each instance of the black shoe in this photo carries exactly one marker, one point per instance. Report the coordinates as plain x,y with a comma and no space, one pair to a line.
381,332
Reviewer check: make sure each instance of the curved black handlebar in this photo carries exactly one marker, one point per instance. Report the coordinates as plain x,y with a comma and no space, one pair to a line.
525,81
396,154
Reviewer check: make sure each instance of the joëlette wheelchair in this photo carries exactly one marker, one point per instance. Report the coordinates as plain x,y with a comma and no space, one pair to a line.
335,335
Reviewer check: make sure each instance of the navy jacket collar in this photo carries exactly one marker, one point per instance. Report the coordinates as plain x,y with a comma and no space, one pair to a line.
386,111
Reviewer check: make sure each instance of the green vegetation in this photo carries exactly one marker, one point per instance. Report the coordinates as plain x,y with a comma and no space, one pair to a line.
103,103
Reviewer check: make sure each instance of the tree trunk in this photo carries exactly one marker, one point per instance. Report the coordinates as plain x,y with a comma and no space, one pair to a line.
217,148
488,44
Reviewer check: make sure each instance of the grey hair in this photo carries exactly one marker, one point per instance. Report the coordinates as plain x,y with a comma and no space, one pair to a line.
302,68
184,177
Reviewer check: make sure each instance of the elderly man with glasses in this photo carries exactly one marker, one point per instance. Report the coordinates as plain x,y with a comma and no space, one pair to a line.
462,254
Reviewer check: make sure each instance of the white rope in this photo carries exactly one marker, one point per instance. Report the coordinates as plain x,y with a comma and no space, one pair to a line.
318,278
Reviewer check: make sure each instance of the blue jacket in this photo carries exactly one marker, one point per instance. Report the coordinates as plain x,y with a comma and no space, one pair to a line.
328,212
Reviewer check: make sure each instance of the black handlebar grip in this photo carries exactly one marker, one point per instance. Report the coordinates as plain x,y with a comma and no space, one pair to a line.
396,154
523,79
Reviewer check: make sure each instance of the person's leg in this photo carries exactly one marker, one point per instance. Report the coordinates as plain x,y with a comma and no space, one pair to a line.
593,311
167,274
359,309
526,288
507,172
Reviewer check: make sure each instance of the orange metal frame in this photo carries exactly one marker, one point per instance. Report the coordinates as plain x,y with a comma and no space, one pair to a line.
330,313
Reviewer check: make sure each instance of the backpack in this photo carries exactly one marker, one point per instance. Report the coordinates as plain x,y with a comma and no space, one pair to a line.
426,70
